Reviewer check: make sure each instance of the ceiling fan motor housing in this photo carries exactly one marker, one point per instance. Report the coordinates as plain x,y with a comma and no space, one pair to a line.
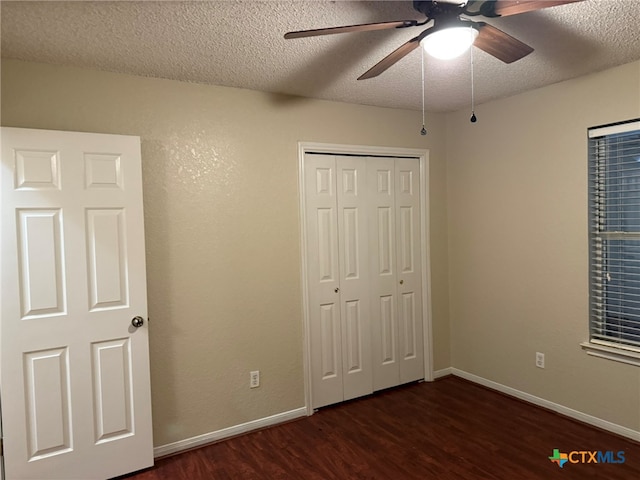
444,15
433,9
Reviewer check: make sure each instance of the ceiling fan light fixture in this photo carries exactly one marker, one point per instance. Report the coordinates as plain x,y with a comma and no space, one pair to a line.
449,43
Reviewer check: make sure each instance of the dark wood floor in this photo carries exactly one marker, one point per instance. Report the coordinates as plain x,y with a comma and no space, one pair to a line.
448,429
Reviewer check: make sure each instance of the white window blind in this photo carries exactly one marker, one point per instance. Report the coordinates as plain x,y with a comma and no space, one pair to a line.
614,235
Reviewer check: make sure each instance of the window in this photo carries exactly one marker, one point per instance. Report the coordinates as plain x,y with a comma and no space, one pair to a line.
614,241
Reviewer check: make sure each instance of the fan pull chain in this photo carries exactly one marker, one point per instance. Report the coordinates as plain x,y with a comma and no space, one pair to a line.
473,118
424,130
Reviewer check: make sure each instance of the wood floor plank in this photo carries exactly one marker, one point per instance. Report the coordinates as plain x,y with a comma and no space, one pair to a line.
448,429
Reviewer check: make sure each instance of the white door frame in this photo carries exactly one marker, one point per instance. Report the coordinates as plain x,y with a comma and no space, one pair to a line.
339,149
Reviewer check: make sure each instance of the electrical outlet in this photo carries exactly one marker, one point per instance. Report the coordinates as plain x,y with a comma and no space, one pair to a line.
254,379
539,360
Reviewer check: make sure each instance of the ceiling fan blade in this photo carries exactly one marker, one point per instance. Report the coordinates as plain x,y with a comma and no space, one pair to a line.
513,7
365,27
500,44
392,58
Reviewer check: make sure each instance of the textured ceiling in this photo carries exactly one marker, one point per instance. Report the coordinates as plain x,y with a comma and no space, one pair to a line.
240,43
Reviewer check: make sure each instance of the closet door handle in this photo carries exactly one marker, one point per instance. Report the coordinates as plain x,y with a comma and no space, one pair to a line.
336,289
401,282
137,322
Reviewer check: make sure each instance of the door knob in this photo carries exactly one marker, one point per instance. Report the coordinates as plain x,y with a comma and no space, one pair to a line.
336,289
137,322
401,282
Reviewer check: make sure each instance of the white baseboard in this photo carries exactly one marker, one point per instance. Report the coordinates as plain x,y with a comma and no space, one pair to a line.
442,373
218,435
541,402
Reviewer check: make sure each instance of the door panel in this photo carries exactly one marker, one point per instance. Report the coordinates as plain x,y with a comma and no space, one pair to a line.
75,374
46,380
323,280
409,278
112,400
382,240
326,234
102,171
106,242
405,244
354,273
396,285
385,236
408,325
350,247
37,170
353,320
329,342
41,276
387,353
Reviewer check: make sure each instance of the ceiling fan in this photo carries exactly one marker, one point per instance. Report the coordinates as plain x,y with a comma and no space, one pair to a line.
448,21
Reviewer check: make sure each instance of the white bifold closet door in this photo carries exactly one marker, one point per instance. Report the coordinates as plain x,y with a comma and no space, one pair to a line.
395,271
363,274
338,277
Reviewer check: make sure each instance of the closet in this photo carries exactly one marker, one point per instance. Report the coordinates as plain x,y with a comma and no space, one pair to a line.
363,274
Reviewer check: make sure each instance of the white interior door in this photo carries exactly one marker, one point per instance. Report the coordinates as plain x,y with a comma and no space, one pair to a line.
74,370
337,277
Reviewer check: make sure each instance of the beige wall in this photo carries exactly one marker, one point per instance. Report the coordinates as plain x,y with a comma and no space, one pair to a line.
508,237
517,204
220,171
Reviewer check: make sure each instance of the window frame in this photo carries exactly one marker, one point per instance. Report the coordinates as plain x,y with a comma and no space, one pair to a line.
605,347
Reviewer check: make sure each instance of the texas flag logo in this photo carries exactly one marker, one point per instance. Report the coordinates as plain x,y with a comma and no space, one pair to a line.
559,458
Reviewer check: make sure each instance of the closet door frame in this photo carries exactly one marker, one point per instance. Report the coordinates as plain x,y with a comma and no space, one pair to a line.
363,150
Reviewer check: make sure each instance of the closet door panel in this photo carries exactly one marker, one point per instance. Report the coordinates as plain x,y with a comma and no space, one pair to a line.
409,274
354,276
323,280
381,187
